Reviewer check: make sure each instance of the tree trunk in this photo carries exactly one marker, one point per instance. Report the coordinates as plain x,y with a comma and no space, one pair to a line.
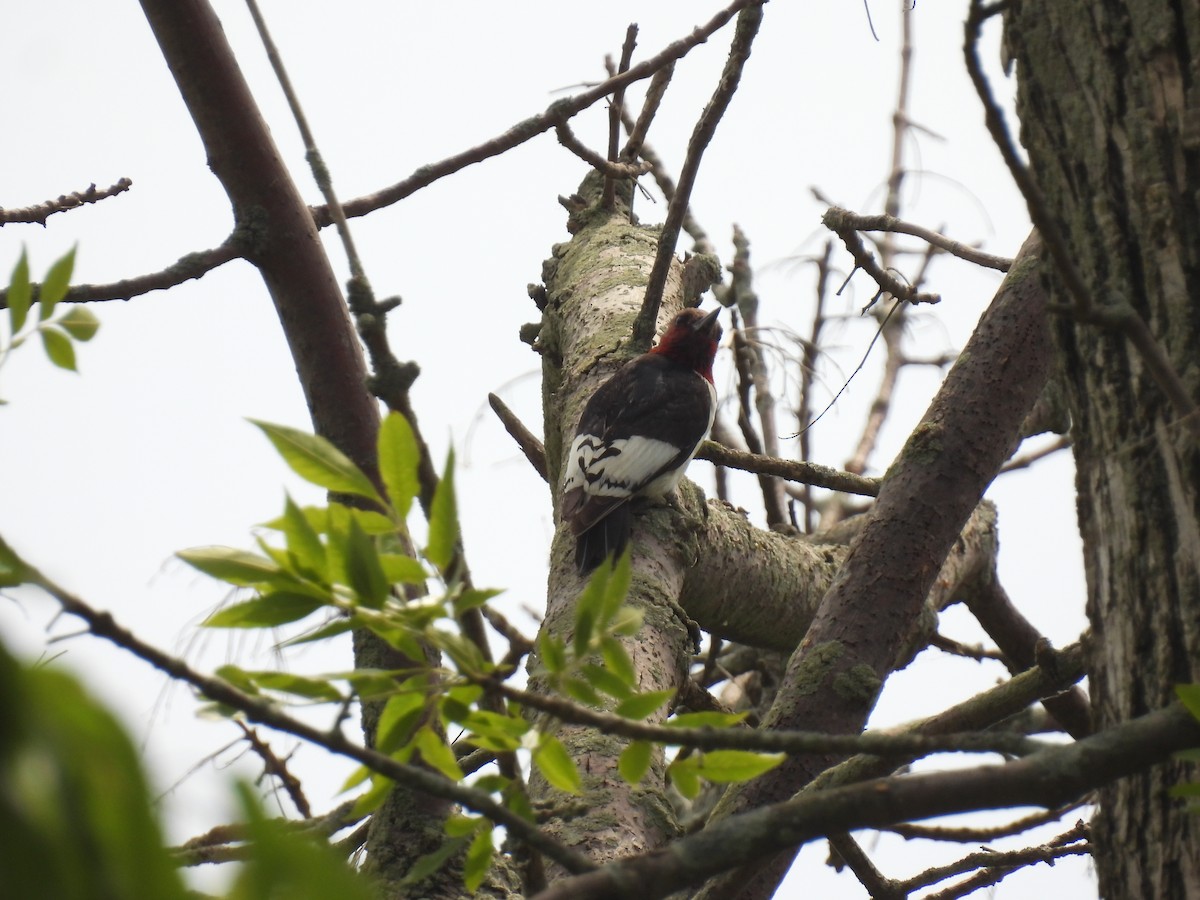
1109,114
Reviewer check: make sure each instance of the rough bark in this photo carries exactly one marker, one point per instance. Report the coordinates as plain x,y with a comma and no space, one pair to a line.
1110,116
594,286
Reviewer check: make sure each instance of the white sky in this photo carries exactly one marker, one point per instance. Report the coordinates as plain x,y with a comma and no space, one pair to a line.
107,474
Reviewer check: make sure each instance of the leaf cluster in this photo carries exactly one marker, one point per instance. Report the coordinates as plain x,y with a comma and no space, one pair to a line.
57,333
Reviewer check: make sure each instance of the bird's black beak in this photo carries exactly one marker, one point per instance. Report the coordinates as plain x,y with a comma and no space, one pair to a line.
708,324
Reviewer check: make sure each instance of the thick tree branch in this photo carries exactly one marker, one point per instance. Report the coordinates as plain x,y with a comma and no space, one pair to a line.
1047,778
953,454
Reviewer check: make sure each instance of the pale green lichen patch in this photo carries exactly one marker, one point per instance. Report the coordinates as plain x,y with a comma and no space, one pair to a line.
857,685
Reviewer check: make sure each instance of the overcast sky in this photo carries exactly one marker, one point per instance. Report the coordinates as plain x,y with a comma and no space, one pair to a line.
108,473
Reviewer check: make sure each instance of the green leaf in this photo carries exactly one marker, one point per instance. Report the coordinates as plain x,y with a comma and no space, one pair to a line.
588,607
364,569
321,633
13,570
443,520
494,731
462,652
634,761
433,861
552,652
355,778
603,680
473,598
54,287
401,569
399,459
725,766
79,819
238,677
617,660
80,323
268,611
585,627
556,765
640,706
367,803
706,720
313,688
579,690
20,293
479,860
397,721
436,754
628,621
316,460
459,700
1189,695
616,589
683,774
303,542
1188,789
462,826
233,566
58,347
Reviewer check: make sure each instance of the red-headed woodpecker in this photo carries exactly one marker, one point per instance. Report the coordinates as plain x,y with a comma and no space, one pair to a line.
638,433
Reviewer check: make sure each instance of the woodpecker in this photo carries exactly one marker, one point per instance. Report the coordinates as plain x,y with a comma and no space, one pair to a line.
637,435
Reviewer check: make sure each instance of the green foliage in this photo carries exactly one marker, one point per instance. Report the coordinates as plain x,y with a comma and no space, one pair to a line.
1189,696
57,335
282,863
75,809
719,766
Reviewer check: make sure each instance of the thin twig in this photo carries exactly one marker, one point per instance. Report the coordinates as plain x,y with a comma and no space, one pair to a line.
791,742
983,835
617,104
103,625
188,267
40,212
890,223
559,111
534,449
749,19
864,259
1028,459
611,170
789,469
999,865
278,768
878,885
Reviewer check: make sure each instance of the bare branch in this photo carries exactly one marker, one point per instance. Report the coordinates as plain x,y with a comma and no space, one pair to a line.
890,223
530,128
1051,776
616,106
791,470
611,170
193,265
39,213
864,259
533,449
747,27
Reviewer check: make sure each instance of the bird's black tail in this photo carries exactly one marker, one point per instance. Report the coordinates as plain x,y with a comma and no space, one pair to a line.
606,538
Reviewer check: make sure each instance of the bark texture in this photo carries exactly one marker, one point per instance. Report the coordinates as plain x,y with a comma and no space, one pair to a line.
1110,115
